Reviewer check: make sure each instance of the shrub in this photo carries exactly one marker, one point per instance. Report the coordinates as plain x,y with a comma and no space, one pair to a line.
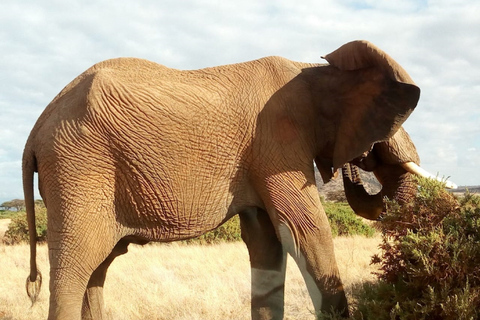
227,232
7,214
17,231
344,222
430,261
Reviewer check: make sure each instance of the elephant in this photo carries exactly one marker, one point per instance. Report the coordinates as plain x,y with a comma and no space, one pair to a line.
132,151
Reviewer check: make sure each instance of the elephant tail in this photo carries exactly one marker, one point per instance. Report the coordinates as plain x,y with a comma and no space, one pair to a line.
29,166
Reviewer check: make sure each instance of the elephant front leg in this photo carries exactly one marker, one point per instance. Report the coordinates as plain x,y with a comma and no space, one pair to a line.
268,264
295,210
315,258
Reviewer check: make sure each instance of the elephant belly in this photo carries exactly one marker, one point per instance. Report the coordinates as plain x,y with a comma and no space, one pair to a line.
157,214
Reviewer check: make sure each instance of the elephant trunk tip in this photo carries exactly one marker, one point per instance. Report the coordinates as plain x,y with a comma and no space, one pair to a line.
33,286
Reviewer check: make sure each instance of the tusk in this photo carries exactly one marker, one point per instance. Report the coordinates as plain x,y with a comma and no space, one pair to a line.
415,169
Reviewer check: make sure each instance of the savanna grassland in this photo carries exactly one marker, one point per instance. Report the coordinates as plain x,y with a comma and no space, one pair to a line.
426,254
179,281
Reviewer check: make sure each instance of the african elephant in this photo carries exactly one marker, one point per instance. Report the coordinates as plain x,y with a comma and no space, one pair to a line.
132,151
394,163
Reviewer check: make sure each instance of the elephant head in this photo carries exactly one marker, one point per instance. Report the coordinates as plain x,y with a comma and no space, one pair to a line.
361,123
393,160
358,128
394,163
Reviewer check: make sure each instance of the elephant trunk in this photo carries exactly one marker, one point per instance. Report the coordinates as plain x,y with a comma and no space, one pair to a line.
397,184
362,203
394,163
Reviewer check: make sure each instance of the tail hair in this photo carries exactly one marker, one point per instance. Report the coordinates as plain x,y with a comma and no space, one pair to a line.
33,287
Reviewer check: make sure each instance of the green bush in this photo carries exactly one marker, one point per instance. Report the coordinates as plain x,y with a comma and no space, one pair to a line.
7,214
227,232
344,222
430,261
17,231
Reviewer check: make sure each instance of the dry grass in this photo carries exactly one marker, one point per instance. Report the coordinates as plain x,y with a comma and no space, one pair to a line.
3,227
179,282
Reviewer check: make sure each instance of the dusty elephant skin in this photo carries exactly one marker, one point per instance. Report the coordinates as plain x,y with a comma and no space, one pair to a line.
132,151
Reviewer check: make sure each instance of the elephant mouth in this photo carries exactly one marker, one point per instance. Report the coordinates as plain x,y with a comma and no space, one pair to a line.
397,182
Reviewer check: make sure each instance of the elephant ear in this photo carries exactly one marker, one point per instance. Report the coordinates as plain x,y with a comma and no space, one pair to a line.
375,105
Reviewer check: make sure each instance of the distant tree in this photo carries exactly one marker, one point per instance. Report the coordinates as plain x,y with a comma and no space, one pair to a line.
16,204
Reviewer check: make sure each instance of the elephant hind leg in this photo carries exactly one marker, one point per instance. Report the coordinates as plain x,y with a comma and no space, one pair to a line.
74,258
93,305
268,264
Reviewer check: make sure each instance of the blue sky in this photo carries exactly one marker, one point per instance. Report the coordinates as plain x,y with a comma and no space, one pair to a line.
45,44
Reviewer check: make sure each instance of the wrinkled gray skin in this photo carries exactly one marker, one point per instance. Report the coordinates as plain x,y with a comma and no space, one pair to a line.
132,151
384,160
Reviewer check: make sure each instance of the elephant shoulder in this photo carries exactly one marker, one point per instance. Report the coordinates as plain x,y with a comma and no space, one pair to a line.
276,67
278,63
